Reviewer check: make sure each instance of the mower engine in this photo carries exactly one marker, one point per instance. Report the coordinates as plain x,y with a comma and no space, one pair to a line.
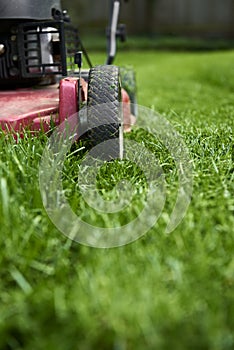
36,42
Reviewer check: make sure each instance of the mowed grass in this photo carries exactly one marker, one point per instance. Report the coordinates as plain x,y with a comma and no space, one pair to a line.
164,291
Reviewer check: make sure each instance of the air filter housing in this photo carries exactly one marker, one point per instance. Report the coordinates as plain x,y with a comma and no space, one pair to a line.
29,9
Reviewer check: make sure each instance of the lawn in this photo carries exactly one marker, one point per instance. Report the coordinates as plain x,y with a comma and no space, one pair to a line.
163,291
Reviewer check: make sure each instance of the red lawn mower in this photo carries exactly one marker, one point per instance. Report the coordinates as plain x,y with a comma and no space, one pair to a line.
42,82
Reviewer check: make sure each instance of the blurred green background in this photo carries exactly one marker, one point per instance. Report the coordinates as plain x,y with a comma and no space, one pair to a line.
167,23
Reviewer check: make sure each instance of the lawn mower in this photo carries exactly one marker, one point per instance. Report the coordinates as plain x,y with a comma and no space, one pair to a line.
42,82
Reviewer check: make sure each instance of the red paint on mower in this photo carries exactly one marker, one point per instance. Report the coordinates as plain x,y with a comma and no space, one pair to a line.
37,108
31,108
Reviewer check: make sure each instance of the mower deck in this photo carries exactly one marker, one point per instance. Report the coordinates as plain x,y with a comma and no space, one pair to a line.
29,107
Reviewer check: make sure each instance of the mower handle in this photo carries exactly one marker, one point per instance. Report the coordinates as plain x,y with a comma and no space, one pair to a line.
114,31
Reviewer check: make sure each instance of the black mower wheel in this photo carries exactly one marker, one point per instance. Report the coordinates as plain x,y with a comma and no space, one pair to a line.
104,109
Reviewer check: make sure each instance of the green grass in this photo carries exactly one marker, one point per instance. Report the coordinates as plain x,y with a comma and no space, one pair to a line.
161,292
